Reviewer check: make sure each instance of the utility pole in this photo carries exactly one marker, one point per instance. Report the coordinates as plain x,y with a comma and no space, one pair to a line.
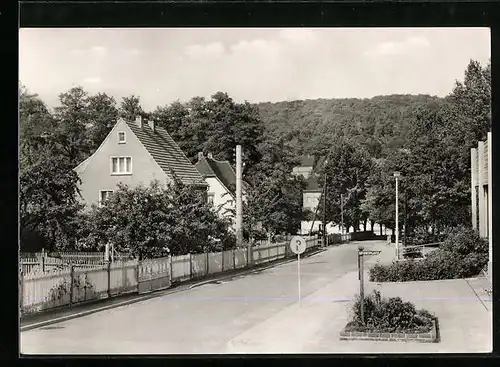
239,206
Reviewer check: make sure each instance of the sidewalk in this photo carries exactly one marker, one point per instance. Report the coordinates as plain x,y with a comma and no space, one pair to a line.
465,323
49,317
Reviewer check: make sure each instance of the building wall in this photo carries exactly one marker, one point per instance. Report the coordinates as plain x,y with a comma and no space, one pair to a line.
305,227
481,192
311,200
304,171
222,198
95,173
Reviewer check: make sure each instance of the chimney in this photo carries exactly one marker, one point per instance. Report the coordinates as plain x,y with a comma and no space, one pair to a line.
152,125
210,156
200,156
138,121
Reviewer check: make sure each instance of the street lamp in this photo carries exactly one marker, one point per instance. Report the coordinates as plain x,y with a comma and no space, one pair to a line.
397,175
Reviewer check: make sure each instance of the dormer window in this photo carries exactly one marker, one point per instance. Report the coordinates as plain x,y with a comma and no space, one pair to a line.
121,137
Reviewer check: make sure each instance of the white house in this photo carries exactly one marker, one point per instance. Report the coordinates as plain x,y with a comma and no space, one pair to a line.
221,180
133,153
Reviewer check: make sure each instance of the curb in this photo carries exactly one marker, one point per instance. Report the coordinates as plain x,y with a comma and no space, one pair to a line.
157,293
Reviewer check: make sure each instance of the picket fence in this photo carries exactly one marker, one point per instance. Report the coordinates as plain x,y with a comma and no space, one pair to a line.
81,283
42,262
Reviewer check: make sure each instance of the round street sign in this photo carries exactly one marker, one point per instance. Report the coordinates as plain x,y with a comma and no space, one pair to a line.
298,245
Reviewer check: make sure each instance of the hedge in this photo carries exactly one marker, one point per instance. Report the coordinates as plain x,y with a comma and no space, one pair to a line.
462,255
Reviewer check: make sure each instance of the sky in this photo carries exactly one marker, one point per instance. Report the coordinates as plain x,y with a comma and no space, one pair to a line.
163,65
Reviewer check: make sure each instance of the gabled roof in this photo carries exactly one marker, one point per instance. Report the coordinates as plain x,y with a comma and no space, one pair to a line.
167,154
306,161
209,167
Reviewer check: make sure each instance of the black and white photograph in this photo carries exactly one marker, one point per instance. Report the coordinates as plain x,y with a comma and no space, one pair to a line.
249,191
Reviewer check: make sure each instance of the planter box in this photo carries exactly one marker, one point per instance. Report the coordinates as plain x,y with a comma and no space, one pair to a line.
429,337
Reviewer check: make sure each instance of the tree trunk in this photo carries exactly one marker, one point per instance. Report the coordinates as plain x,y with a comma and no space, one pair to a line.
380,226
393,231
372,224
365,221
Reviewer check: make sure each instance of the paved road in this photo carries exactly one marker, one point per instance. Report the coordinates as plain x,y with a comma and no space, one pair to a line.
204,319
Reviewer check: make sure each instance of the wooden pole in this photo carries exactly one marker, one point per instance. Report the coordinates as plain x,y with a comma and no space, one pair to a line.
190,266
109,279
239,206
207,263
21,291
72,279
222,266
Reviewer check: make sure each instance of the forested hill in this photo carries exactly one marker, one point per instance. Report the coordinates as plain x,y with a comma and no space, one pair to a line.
378,123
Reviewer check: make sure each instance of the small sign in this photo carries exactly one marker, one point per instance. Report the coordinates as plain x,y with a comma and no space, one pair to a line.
367,253
298,245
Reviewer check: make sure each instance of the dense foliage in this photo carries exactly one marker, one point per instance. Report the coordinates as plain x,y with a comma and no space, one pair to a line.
462,255
359,144
154,221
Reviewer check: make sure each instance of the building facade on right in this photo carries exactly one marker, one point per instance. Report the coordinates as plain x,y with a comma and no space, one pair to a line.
481,193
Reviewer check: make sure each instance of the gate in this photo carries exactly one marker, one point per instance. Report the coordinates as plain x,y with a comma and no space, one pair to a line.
153,274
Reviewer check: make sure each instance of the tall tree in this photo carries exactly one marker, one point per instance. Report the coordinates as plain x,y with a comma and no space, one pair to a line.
130,108
73,121
48,185
103,115
472,102
345,171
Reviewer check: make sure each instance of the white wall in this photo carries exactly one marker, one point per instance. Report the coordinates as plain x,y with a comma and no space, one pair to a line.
310,200
95,173
221,196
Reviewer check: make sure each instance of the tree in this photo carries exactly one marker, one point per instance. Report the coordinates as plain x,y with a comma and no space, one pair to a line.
103,116
130,108
72,123
48,185
144,221
345,170
216,126
472,102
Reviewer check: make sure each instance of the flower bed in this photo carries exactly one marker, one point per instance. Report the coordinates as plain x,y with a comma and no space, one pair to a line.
422,337
390,320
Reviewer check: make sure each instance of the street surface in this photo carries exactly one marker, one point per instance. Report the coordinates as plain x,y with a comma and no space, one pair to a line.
211,318
259,313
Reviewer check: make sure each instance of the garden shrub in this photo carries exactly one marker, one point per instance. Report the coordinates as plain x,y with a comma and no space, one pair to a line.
463,254
389,315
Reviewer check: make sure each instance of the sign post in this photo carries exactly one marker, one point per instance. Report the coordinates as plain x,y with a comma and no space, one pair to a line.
298,246
361,283
361,255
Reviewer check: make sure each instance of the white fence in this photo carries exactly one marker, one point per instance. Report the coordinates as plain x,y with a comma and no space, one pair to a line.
86,282
41,291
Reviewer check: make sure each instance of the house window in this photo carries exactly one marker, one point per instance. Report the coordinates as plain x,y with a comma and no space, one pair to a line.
121,165
121,137
104,195
211,198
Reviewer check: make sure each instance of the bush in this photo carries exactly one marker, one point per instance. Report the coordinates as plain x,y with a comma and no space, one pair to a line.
422,237
463,254
389,315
